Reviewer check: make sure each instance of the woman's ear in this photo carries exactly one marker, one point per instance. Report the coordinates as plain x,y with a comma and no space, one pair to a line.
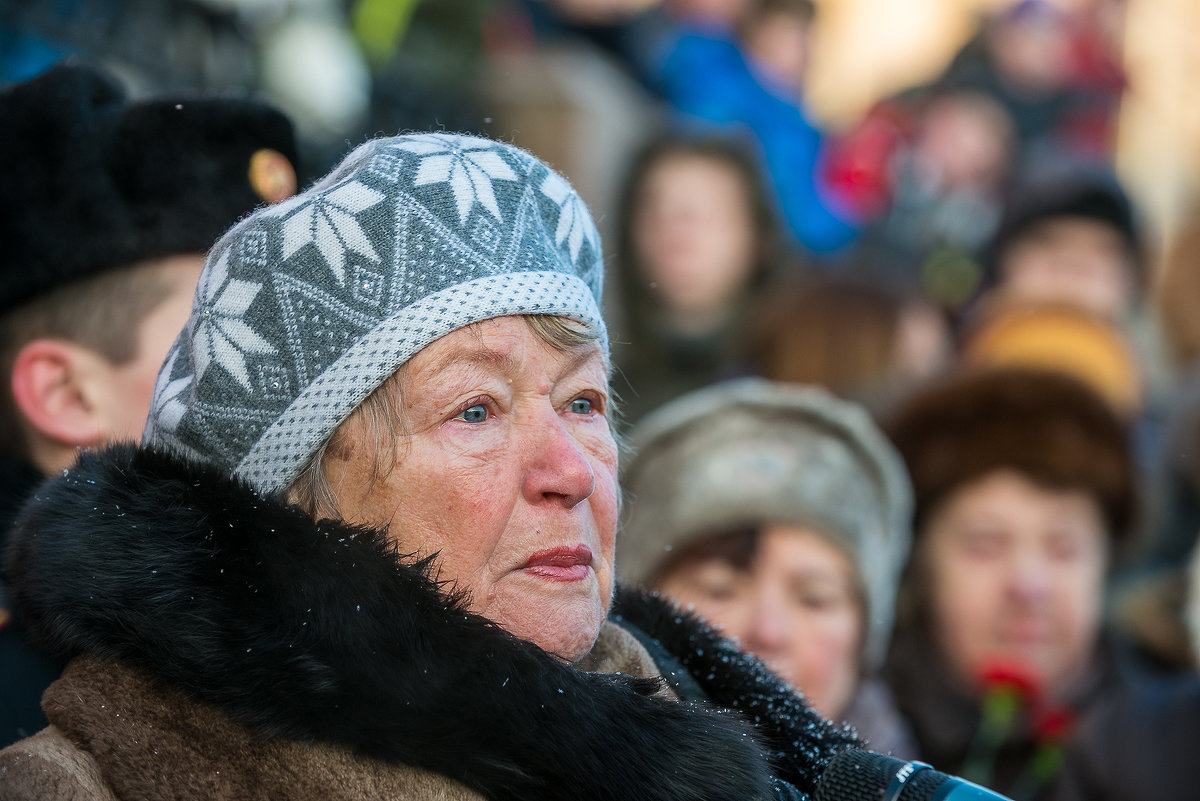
54,387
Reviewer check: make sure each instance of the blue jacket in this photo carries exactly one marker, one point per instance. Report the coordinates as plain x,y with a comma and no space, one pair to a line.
706,78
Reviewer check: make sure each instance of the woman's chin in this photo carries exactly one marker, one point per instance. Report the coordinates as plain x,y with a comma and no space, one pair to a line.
563,618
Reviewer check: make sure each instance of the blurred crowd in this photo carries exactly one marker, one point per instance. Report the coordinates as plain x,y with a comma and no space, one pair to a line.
912,406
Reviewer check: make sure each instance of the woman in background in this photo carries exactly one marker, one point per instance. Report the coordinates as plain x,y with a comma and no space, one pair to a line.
779,514
697,242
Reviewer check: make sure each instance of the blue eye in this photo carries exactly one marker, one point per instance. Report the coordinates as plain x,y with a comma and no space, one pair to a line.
581,406
475,414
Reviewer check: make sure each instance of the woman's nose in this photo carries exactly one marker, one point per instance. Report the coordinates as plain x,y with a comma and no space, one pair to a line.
556,469
769,625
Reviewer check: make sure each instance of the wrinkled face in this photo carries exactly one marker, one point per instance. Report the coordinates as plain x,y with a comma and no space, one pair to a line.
693,234
797,608
132,384
509,473
1070,260
1016,574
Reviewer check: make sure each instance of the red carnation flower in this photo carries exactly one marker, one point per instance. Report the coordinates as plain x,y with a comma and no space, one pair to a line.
1015,676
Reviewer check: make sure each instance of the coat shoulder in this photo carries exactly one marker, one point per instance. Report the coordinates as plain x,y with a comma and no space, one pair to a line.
49,767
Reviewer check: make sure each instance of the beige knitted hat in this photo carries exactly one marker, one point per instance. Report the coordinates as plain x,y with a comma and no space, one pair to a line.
753,452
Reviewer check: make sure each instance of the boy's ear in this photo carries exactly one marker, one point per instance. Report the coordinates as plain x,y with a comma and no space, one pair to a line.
54,384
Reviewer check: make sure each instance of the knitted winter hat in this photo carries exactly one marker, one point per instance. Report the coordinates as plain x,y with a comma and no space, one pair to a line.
306,307
1064,187
92,181
753,452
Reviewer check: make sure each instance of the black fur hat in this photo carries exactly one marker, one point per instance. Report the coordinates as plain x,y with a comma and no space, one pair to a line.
1066,187
92,181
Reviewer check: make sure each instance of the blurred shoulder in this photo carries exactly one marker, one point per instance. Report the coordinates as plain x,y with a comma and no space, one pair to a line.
1138,744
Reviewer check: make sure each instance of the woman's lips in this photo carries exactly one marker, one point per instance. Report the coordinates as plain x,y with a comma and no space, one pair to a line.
564,563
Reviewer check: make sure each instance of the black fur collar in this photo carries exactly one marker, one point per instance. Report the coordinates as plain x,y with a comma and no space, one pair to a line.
321,631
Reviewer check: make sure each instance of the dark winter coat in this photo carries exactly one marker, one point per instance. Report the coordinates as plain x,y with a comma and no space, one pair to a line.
26,672
225,642
1139,746
945,716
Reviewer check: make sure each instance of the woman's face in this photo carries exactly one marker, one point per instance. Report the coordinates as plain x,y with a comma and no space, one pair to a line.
796,607
1016,575
508,472
693,233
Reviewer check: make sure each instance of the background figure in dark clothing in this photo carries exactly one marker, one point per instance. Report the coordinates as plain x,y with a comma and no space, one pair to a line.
1151,601
1050,74
926,173
696,244
1142,746
1025,497
107,209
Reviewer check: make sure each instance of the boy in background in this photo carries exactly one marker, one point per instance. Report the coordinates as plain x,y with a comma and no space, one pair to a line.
107,207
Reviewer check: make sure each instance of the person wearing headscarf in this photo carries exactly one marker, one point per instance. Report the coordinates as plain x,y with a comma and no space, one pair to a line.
780,514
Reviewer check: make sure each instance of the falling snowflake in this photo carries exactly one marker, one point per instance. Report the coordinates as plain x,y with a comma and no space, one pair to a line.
574,223
221,335
328,222
468,164
168,409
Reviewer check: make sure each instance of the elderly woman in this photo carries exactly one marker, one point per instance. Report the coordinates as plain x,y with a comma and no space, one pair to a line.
368,549
780,515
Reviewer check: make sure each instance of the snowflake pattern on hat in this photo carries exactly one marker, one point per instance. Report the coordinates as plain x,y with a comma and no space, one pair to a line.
306,307
220,333
574,222
466,164
167,408
328,222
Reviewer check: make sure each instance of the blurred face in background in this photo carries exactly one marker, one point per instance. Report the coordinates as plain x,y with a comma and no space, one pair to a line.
1032,49
1076,261
694,237
778,45
796,604
1015,575
964,141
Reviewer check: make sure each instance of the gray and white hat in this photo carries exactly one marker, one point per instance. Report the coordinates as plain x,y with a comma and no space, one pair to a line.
304,308
750,453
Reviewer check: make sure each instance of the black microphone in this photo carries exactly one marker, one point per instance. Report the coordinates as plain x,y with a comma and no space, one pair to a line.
858,775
